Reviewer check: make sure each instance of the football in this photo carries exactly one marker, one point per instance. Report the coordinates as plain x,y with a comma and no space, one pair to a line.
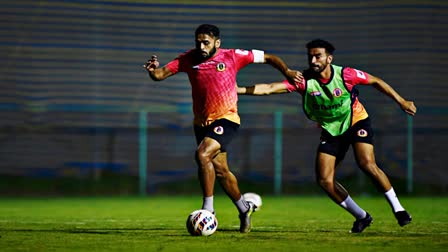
201,223
254,198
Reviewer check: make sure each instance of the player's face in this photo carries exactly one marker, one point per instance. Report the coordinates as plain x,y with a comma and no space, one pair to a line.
318,59
207,45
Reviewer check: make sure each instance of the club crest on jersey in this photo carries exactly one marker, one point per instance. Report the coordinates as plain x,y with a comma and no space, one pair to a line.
362,133
221,67
337,92
219,130
315,93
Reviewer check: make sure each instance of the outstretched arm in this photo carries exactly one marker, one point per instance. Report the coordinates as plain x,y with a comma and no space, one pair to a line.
156,73
405,105
263,89
292,75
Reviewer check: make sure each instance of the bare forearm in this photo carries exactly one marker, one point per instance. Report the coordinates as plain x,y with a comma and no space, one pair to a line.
263,89
246,90
405,105
277,63
386,89
291,75
156,73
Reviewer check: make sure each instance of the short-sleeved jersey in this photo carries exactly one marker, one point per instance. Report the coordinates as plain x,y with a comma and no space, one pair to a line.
352,78
213,82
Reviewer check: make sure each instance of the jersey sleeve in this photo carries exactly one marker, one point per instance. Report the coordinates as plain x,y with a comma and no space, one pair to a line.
179,63
258,56
173,66
246,57
354,77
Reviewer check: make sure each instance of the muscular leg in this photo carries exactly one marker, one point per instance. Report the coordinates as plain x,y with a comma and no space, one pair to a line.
205,153
325,169
212,163
225,177
365,158
229,184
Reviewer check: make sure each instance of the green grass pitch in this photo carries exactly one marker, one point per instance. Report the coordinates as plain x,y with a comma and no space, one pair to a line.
156,223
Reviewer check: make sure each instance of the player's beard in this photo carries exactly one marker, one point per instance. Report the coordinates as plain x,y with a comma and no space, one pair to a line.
318,68
205,55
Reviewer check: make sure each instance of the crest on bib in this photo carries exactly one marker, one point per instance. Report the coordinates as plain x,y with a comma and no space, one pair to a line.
337,92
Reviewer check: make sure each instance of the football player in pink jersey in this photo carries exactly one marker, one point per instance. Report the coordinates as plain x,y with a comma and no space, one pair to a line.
330,98
212,73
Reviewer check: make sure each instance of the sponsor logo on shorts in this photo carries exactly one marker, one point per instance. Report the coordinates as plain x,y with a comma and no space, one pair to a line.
219,130
337,92
221,67
362,133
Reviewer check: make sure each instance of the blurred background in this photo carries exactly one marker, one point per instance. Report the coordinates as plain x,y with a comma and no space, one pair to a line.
80,116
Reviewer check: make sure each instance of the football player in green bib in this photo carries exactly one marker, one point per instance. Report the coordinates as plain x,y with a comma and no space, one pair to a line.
331,99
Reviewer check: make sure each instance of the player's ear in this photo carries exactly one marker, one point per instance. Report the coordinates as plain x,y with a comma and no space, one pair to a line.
218,43
329,59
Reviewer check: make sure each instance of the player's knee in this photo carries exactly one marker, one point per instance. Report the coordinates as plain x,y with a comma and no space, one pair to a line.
202,157
221,171
325,184
369,167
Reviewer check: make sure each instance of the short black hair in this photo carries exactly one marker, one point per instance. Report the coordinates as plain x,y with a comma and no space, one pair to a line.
209,29
320,43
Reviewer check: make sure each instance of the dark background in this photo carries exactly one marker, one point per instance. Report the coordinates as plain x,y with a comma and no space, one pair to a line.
73,93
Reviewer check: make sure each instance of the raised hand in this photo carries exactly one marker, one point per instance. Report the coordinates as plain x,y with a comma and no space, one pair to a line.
152,63
295,76
409,107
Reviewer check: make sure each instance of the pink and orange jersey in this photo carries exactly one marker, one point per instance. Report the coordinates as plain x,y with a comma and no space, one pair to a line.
213,82
352,78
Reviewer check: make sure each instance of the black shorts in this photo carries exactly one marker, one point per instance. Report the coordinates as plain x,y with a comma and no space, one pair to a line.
337,146
221,130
